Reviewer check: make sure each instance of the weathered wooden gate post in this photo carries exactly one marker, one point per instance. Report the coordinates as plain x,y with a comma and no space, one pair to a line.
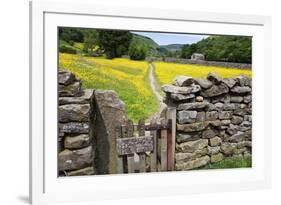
171,137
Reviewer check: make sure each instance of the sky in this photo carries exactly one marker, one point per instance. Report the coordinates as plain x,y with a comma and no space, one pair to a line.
169,38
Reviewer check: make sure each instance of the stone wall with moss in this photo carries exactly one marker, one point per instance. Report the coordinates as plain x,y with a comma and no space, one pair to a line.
214,119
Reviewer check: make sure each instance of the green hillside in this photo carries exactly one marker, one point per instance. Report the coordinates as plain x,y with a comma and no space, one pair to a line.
77,46
145,40
152,46
172,47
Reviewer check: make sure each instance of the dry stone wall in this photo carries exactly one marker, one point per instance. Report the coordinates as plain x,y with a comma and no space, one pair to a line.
214,118
75,141
87,120
201,62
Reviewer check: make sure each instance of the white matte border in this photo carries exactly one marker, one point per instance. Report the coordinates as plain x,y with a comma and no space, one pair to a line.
46,187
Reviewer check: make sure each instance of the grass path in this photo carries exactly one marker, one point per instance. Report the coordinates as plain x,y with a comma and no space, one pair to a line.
154,88
153,83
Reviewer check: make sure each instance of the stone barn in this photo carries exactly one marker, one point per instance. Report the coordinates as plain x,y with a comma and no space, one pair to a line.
197,56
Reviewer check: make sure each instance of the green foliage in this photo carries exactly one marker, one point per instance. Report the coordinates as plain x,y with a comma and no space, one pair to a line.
115,43
90,40
71,42
222,48
70,35
66,49
137,51
188,50
230,162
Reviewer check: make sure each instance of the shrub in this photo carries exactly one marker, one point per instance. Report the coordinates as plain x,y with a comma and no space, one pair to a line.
137,51
71,42
66,49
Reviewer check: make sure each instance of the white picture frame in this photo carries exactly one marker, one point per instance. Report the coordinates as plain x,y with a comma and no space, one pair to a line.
46,187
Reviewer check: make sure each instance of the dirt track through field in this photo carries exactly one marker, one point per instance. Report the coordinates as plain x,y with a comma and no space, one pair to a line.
153,86
152,83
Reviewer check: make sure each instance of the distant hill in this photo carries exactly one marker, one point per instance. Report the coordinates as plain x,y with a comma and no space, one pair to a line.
172,47
154,49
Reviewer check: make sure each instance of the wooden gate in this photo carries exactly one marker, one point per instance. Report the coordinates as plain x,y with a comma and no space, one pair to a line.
146,147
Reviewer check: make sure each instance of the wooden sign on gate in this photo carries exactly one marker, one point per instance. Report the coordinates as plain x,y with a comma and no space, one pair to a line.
133,145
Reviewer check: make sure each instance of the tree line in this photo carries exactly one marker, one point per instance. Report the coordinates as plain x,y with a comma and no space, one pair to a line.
112,43
221,48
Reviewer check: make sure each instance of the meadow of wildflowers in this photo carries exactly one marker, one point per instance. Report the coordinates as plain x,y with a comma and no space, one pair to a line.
166,72
130,78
